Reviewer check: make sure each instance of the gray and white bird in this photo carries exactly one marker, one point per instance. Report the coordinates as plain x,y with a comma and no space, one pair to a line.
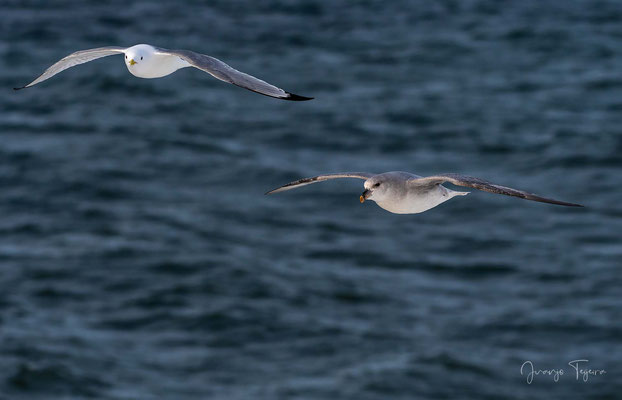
146,61
406,193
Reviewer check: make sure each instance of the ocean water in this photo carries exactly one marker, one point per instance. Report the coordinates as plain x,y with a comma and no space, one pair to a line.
139,258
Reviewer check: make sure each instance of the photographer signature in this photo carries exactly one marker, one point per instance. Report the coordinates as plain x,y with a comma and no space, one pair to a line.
578,366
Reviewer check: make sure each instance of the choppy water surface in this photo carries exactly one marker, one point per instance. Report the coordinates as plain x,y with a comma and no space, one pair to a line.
140,259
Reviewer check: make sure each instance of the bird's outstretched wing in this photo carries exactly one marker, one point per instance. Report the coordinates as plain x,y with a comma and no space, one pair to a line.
320,178
480,184
73,59
224,72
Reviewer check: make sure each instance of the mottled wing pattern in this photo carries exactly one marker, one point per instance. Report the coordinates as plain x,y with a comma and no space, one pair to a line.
481,184
321,178
224,72
73,59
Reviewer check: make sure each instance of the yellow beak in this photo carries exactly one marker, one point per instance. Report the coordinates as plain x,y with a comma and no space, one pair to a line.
365,195
132,62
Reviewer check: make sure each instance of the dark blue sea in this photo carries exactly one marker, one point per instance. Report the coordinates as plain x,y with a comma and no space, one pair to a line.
140,259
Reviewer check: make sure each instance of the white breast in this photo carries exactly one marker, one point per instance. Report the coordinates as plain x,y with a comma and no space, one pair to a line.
157,66
416,201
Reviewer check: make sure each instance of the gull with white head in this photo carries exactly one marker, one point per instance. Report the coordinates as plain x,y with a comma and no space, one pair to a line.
146,61
406,193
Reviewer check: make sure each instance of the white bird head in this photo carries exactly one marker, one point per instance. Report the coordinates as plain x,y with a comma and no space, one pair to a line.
137,58
383,186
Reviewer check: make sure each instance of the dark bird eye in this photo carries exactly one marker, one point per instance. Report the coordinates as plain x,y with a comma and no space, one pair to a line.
126,57
141,58
377,184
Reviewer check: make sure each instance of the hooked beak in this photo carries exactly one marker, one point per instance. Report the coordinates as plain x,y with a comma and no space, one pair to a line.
365,195
132,62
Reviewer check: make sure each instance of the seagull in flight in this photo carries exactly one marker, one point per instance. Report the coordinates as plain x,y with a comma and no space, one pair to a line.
406,193
146,61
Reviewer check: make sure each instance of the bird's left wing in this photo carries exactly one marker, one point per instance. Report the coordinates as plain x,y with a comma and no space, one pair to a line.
73,59
481,184
320,178
224,72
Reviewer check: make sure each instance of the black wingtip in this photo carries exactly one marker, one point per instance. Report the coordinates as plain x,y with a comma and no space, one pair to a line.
19,88
295,97
563,203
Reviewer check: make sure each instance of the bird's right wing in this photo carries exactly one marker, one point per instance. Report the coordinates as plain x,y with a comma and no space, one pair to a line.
481,184
73,59
224,72
320,178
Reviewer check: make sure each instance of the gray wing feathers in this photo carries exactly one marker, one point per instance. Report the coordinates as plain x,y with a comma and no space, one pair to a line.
73,59
224,72
320,178
481,184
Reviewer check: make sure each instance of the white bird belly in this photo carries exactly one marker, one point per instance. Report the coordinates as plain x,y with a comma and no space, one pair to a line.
158,66
415,201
